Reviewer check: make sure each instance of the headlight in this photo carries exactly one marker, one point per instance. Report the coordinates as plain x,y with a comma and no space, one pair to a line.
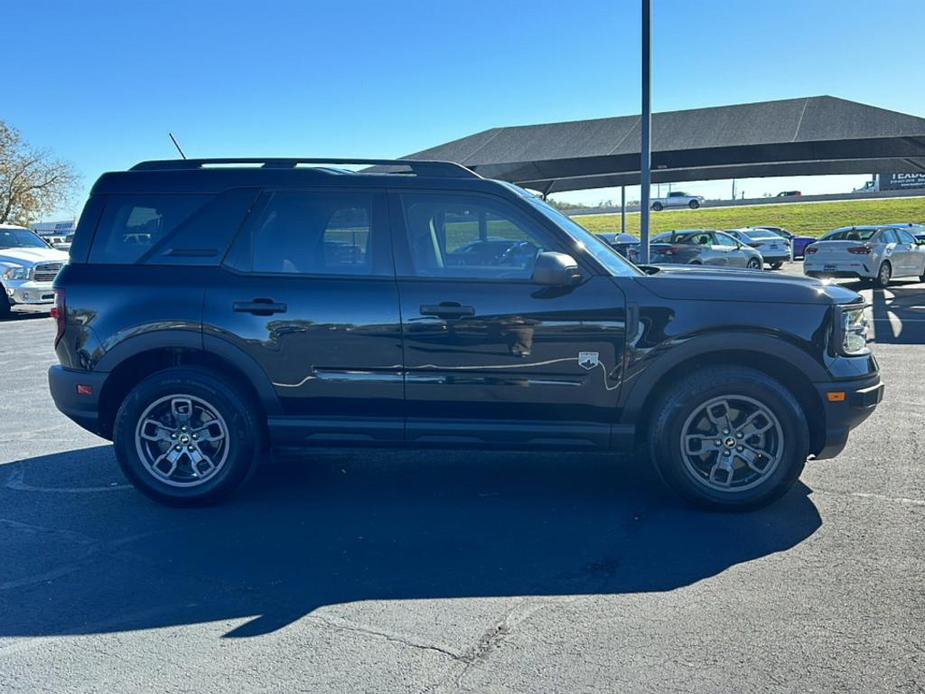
852,330
18,273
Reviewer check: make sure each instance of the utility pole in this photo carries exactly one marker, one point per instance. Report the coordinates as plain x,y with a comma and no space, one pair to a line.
733,189
622,209
645,165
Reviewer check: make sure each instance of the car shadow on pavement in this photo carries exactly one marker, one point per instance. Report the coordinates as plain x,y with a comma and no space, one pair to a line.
899,315
84,553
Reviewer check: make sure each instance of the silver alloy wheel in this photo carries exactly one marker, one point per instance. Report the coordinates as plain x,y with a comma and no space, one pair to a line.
885,274
731,443
753,264
182,440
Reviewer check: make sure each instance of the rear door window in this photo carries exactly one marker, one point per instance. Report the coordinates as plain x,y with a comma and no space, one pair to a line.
300,232
131,225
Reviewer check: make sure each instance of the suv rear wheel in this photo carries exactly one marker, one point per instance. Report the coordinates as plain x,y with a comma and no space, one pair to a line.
729,438
186,436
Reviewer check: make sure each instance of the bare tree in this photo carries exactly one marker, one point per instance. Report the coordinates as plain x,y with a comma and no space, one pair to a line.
32,181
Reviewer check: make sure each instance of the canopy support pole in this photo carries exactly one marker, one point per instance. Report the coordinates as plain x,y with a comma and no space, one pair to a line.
645,168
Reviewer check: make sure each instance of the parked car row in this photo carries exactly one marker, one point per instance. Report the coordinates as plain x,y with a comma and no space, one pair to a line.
744,248
875,253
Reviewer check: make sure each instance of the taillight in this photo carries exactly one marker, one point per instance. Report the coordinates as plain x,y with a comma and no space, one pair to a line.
859,250
59,313
809,250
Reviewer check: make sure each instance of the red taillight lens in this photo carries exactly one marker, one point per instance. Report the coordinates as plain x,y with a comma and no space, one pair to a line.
59,313
859,250
809,250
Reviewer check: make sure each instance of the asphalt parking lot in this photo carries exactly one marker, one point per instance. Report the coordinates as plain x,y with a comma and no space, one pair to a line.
396,571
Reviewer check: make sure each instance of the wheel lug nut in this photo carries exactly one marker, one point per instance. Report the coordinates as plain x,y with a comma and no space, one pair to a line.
725,452
725,431
178,448
195,436
189,448
718,442
739,434
739,449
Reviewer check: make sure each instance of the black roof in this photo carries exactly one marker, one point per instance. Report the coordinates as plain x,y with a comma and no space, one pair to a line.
814,135
214,175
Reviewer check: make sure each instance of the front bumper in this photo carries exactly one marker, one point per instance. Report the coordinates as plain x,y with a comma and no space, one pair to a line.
81,408
860,398
29,292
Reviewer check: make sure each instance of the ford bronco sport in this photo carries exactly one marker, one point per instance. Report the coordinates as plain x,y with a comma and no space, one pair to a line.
214,309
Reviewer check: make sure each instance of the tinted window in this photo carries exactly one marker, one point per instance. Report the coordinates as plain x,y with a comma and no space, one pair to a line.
905,237
723,240
888,236
849,235
132,224
470,237
322,233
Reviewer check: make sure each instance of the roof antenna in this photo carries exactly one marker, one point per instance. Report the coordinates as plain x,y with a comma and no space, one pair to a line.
177,145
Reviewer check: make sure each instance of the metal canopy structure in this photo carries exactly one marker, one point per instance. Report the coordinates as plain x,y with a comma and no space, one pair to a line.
791,137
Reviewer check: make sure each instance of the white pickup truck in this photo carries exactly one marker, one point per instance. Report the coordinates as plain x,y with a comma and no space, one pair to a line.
677,199
28,266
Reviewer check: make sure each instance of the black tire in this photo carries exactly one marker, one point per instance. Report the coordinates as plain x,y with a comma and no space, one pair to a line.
884,275
243,434
657,206
5,308
753,264
694,204
777,265
688,397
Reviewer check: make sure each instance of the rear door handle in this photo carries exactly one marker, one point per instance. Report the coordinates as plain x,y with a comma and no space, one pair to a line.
447,309
259,307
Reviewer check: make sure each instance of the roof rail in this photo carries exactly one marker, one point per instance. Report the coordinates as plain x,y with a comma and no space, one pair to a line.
419,167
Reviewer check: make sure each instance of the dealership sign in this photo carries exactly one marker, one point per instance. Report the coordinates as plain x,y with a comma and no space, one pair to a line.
901,181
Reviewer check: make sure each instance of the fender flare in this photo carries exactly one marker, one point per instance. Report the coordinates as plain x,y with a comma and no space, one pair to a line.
196,342
655,367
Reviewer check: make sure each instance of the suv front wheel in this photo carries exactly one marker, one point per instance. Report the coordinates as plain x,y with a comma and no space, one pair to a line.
729,438
186,436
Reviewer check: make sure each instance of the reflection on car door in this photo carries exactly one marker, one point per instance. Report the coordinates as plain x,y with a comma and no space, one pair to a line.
725,250
308,292
490,357
914,252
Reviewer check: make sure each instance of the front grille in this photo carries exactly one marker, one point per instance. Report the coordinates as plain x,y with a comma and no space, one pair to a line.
46,272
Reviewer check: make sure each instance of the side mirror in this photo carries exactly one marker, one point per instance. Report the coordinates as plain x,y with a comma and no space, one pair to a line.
556,270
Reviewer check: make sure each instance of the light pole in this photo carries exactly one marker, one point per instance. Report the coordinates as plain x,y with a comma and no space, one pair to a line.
645,165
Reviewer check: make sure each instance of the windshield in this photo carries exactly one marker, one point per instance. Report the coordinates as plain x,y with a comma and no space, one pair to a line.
20,238
602,252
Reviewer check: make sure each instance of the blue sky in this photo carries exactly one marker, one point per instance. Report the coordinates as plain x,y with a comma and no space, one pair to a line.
102,82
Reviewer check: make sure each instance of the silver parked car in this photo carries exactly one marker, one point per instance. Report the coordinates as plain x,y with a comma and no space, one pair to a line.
877,253
704,247
773,248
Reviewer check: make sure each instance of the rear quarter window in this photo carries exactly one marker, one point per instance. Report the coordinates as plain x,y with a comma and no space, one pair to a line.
131,225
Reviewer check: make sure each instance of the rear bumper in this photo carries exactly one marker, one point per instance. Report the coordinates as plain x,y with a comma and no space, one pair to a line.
861,398
82,409
838,269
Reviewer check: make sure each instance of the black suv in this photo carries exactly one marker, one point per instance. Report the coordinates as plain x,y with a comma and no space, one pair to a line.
215,309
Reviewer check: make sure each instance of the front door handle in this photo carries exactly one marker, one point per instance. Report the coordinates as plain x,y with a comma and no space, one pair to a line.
447,309
259,307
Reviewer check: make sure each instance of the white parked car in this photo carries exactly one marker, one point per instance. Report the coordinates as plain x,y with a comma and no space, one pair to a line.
877,253
677,199
28,266
774,248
